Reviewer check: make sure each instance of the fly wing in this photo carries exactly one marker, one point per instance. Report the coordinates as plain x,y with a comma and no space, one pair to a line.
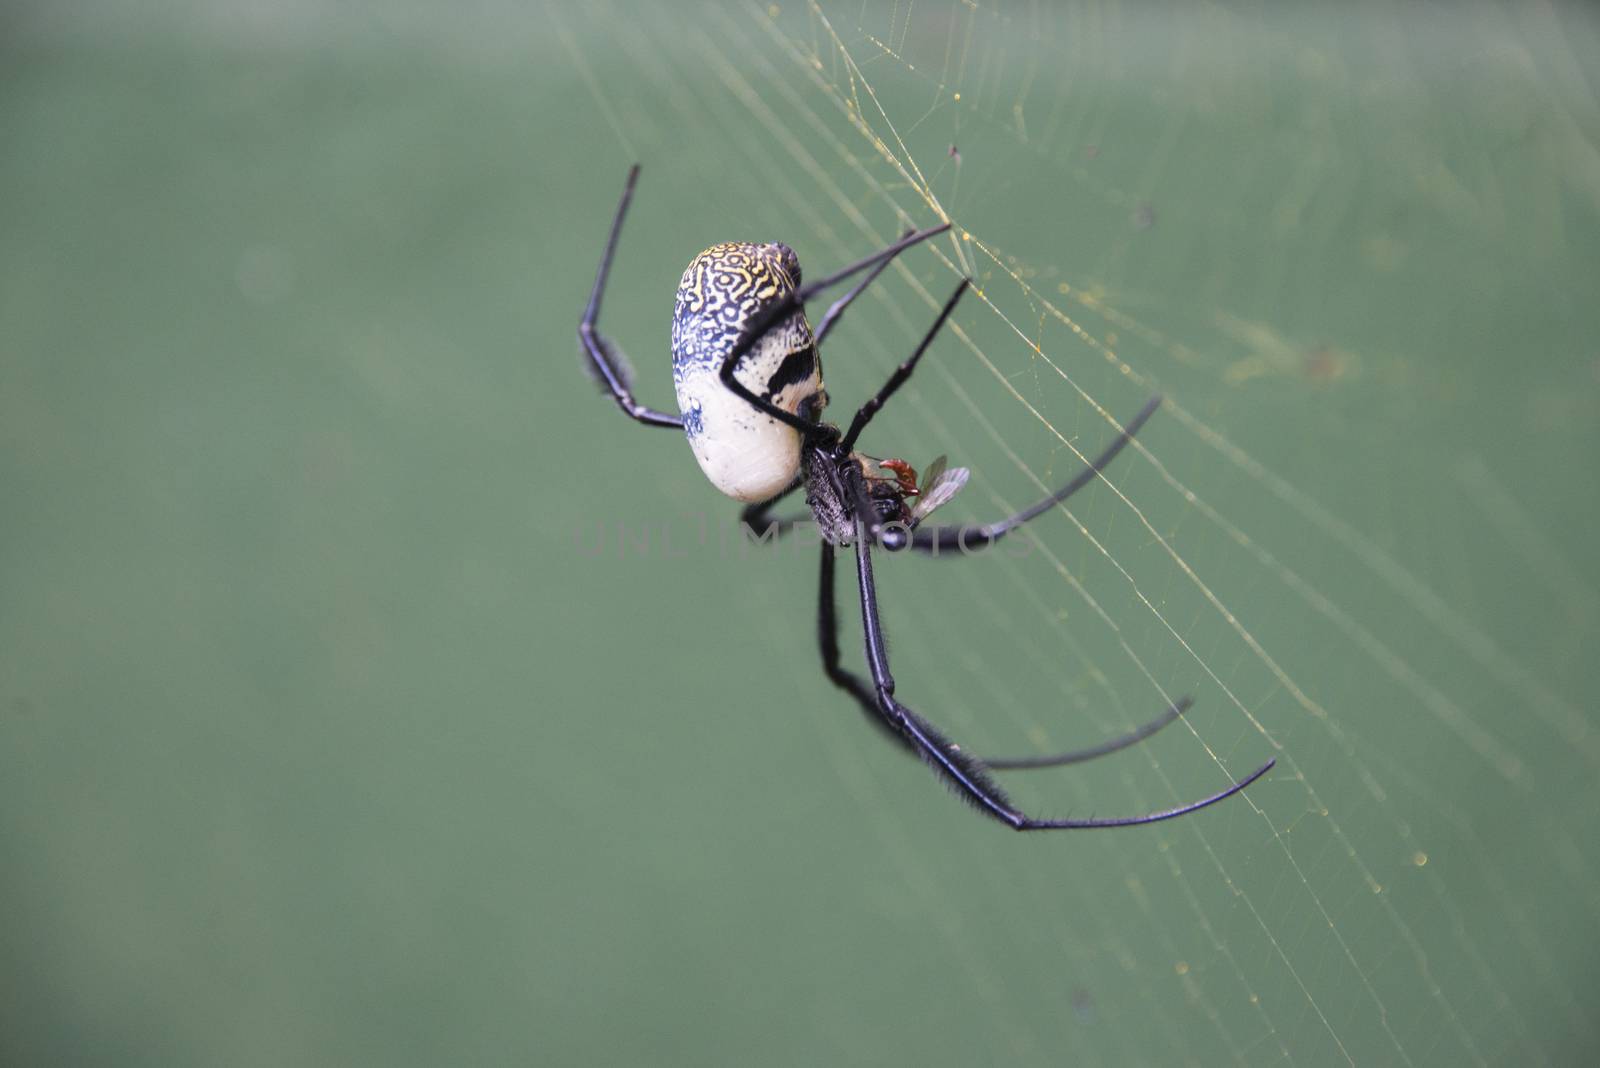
939,486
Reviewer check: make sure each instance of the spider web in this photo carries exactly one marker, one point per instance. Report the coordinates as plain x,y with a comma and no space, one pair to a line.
316,735
1374,904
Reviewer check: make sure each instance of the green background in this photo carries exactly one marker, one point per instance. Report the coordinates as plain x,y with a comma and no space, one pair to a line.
367,694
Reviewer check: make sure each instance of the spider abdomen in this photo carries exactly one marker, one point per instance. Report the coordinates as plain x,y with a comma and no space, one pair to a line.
747,454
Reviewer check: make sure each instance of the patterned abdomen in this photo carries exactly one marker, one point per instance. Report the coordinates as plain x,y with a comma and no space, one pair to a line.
745,453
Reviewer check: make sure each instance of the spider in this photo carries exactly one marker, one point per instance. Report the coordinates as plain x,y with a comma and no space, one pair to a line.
749,385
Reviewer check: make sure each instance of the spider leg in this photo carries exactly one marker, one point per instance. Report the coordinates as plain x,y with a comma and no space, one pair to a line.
965,773
755,520
608,360
855,686
830,318
1078,756
865,413
754,516
787,307
967,538
828,645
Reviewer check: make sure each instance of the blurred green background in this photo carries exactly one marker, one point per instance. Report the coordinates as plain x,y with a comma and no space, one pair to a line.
370,694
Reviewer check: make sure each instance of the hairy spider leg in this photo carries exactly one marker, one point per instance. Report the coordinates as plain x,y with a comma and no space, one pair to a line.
976,536
607,358
856,686
787,307
961,771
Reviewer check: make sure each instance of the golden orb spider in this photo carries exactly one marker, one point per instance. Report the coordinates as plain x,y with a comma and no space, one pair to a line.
748,375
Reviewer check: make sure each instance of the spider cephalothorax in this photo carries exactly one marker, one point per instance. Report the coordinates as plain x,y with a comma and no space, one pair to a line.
897,502
749,382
